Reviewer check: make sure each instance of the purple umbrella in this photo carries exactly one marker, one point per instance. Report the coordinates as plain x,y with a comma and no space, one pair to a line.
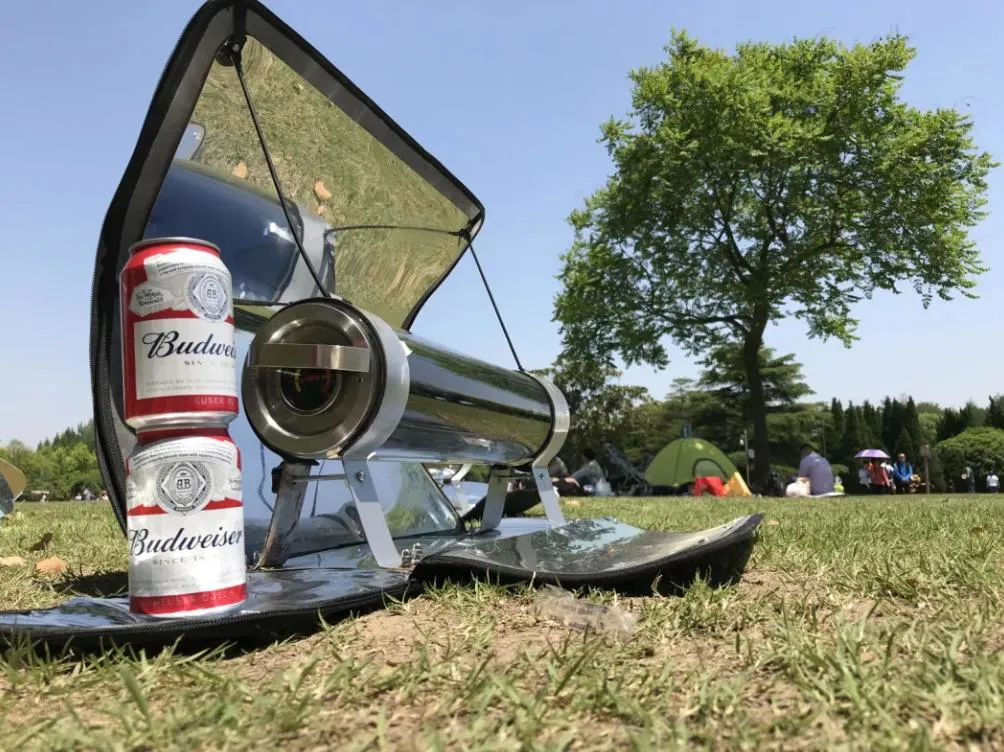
871,454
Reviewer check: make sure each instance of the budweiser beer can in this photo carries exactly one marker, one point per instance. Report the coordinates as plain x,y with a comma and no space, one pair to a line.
185,523
178,357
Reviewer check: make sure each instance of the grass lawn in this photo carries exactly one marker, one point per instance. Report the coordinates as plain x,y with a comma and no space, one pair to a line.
862,623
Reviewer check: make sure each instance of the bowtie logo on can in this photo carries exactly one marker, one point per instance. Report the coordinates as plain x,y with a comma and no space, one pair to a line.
183,488
185,524
208,297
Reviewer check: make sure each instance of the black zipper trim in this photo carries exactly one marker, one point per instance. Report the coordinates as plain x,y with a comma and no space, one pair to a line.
181,626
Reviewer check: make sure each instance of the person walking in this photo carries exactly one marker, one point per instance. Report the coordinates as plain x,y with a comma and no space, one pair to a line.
993,482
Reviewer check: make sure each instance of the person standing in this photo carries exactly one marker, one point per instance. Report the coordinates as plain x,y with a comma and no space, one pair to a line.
902,473
969,477
993,482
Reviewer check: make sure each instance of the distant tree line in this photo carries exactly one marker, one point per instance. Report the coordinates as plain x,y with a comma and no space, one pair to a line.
60,467
717,406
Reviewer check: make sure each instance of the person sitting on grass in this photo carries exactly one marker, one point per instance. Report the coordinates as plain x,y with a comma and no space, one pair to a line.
902,472
887,466
563,481
590,473
815,467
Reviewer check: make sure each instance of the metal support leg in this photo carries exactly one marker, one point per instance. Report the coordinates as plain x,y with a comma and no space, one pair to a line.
463,503
371,513
498,486
457,481
548,496
289,494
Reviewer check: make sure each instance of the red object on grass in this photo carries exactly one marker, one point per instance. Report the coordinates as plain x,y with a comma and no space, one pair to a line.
710,483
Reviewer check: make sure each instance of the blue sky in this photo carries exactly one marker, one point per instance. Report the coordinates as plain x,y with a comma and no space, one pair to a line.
510,97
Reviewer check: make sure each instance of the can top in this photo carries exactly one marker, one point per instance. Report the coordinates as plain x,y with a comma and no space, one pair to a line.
150,242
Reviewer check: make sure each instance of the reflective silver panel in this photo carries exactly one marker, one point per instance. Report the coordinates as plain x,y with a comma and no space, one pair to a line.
381,219
461,409
270,595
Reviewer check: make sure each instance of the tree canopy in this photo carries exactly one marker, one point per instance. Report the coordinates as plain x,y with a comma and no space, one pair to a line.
782,180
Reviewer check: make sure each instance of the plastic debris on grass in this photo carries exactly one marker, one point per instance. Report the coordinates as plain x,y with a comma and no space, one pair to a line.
562,606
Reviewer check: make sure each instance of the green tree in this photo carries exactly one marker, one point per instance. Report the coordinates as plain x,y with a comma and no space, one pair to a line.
953,422
724,377
995,412
911,424
61,466
601,410
855,436
18,454
890,430
904,443
835,430
784,179
790,428
873,420
928,423
982,449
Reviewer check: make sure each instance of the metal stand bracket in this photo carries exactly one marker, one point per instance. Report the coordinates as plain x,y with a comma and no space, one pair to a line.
498,487
548,496
289,485
371,514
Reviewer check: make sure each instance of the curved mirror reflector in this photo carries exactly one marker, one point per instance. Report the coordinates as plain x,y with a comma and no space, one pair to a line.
380,220
381,235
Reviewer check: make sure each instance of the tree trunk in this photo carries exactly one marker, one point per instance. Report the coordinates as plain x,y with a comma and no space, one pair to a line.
758,407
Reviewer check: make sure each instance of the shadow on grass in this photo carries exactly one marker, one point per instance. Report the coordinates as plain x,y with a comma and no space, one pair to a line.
223,640
102,585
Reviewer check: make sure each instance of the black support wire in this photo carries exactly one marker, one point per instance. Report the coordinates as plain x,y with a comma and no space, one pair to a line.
498,314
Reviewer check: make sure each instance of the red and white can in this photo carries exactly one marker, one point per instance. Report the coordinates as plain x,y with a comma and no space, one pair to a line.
185,523
179,362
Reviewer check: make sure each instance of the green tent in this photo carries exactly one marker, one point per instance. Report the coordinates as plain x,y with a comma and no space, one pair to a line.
680,461
12,483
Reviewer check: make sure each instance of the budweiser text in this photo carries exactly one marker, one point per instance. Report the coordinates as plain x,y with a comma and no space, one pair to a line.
185,523
178,354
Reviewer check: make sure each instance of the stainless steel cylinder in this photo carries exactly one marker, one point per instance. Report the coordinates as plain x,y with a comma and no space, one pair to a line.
324,379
